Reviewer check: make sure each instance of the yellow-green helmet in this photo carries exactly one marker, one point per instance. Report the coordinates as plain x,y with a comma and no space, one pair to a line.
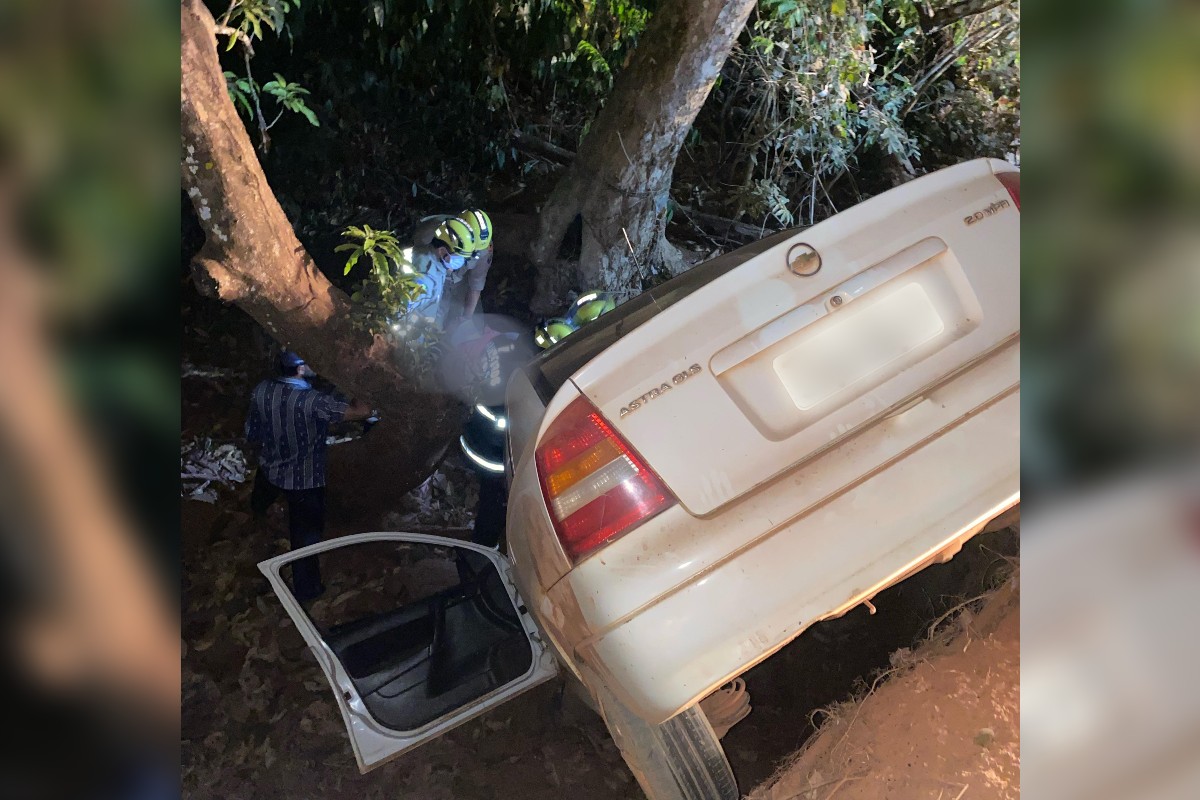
481,225
552,331
591,305
456,235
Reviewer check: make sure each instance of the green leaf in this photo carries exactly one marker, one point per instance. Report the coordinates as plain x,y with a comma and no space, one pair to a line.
838,8
309,115
350,262
379,262
341,248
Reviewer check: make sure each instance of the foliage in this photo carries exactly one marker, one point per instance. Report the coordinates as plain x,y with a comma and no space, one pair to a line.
382,249
244,19
456,75
819,105
383,297
592,57
391,285
290,97
868,89
246,95
248,17
241,91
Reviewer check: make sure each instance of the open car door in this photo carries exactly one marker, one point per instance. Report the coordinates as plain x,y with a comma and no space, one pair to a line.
416,634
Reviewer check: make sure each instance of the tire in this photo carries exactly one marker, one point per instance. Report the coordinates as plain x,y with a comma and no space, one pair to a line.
681,759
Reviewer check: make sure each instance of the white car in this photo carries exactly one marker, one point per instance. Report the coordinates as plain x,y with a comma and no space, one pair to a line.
764,442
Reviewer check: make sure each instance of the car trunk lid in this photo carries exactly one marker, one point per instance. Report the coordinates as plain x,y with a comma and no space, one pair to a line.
763,368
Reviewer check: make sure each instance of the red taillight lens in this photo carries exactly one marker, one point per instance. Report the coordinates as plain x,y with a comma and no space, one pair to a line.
1012,182
595,486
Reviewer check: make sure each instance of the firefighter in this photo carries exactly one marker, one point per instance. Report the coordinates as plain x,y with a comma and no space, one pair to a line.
448,251
493,356
458,292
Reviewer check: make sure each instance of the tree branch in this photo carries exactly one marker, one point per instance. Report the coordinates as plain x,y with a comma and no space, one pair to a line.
951,14
265,144
974,40
225,30
541,148
723,226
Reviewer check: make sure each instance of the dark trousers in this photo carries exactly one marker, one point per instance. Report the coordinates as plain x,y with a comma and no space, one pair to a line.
491,511
306,525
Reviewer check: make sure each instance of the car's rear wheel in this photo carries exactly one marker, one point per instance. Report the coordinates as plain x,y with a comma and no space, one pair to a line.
681,759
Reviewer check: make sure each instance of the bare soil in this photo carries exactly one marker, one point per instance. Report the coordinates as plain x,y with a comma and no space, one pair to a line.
260,720
944,722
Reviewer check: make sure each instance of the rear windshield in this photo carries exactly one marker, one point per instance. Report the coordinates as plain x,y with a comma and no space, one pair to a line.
549,371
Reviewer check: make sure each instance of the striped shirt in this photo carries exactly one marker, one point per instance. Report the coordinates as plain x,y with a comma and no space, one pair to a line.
289,420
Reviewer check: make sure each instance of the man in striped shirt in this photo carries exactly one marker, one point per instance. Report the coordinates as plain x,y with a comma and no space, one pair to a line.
288,423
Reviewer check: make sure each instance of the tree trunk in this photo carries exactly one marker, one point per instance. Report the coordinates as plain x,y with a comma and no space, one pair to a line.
251,257
619,184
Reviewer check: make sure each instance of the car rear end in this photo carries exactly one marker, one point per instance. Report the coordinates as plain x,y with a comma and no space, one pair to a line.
773,440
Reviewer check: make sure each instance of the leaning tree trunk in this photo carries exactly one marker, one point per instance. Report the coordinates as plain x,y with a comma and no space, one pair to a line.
619,184
251,257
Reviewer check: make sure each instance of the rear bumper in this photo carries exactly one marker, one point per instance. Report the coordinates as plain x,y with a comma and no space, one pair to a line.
785,562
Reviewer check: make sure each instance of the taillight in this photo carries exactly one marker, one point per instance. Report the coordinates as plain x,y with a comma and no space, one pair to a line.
595,486
1012,182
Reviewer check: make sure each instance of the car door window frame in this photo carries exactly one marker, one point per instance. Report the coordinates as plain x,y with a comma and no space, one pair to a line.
361,725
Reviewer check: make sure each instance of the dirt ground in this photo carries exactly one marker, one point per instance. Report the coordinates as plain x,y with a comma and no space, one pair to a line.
944,723
259,719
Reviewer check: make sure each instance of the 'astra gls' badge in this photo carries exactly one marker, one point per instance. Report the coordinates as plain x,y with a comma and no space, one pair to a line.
659,390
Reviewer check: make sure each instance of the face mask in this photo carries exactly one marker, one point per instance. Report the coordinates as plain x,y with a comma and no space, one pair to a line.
455,262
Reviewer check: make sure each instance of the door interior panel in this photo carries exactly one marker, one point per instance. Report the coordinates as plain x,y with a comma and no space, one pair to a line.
425,659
